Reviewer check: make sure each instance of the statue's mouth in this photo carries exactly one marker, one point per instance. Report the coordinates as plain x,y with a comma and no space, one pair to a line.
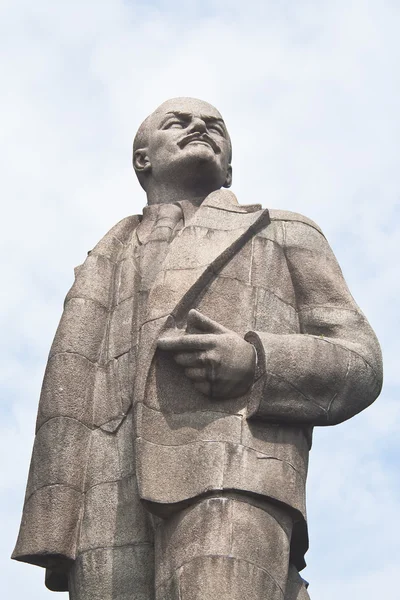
194,138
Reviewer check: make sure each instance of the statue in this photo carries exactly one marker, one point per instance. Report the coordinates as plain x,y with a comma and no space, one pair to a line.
199,345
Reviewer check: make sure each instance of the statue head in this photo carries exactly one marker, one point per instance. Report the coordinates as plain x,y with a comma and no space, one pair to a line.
184,144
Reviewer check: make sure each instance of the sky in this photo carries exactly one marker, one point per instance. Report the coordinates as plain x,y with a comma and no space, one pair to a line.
309,90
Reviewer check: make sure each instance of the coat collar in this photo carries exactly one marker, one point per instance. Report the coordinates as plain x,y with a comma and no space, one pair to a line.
221,199
226,200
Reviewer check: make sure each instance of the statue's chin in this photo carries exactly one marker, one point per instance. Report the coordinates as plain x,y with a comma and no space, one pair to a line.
204,173
195,166
200,151
201,157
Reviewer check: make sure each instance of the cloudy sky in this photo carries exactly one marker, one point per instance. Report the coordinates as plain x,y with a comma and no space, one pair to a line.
310,92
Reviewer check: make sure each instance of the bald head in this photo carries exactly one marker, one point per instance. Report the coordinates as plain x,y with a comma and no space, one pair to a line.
186,129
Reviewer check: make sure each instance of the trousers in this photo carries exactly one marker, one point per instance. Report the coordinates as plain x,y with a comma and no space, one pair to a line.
219,548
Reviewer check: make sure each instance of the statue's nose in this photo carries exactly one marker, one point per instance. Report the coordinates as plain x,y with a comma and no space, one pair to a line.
197,124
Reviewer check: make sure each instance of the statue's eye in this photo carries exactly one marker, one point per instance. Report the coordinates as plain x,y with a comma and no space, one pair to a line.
216,127
175,124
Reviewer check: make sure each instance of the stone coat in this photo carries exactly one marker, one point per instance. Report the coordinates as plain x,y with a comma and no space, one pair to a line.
117,415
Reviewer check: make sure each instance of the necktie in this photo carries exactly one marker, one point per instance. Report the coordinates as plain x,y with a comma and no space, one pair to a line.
167,219
154,250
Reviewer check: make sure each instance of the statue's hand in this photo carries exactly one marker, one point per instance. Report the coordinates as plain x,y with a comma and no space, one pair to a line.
219,362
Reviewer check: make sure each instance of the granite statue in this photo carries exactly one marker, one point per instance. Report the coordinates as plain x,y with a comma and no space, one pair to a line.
200,344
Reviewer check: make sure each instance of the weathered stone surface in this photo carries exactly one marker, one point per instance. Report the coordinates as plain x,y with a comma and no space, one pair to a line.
125,372
67,389
114,574
228,303
166,291
93,280
199,346
249,542
226,578
107,402
170,590
109,247
223,539
124,437
275,277
241,267
263,474
273,314
222,220
197,246
114,516
52,517
147,345
72,333
204,529
284,443
127,279
120,340
151,259
185,427
103,459
59,455
155,461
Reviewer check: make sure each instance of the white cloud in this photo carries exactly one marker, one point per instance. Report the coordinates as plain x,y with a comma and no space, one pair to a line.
310,93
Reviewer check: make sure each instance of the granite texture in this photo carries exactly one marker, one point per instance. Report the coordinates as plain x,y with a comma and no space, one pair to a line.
199,345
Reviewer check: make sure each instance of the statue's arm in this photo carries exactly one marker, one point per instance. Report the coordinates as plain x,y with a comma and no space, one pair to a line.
332,369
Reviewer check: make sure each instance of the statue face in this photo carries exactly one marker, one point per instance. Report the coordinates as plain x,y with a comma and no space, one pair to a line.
187,139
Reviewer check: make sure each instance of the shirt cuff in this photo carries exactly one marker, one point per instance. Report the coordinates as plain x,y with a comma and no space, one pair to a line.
255,341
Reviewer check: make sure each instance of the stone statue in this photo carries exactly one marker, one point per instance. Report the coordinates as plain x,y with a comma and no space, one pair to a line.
200,344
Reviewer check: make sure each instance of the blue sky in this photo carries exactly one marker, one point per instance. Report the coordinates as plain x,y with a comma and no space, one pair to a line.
310,93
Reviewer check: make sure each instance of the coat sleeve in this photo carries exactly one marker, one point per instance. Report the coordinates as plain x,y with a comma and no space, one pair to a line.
332,369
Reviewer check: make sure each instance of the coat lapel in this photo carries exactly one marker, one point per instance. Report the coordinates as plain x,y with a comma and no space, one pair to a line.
219,228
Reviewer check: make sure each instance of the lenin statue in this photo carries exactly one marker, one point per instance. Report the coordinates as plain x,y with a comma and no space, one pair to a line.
199,345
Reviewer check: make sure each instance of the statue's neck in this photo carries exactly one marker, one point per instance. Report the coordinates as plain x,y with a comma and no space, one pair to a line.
164,194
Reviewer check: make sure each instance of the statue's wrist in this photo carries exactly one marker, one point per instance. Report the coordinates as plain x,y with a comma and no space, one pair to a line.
259,368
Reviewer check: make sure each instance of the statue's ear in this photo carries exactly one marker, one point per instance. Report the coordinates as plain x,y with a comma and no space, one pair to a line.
228,180
140,160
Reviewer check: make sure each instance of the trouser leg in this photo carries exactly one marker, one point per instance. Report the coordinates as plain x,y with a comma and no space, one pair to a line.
124,573
223,549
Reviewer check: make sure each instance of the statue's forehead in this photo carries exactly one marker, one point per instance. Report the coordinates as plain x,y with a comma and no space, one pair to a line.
192,106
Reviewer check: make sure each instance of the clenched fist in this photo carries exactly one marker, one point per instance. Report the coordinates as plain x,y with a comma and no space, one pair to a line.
219,362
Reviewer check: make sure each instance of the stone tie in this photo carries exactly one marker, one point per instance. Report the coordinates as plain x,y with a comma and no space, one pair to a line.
167,219
155,248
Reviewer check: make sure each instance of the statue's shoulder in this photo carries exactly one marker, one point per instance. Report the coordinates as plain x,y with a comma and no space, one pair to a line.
123,229
292,217
117,237
112,243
